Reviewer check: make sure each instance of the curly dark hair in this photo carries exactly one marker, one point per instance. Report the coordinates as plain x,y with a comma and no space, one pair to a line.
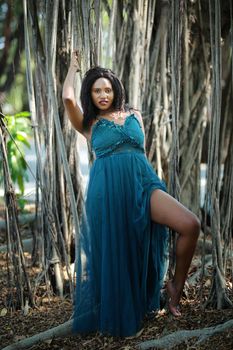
90,111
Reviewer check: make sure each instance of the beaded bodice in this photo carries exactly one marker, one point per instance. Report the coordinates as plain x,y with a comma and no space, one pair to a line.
109,137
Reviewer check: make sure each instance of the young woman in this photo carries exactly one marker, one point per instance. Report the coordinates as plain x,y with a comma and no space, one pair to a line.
123,235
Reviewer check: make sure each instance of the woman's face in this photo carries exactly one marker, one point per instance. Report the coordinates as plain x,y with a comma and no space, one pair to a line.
102,94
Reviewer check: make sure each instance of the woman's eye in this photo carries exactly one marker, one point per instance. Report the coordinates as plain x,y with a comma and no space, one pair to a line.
98,91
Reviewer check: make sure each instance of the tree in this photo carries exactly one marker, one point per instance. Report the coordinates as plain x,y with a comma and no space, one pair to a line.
20,291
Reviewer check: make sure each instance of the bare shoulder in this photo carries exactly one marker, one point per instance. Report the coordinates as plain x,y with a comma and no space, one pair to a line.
138,115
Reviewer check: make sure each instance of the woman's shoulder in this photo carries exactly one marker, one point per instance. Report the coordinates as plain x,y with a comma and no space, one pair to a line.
137,114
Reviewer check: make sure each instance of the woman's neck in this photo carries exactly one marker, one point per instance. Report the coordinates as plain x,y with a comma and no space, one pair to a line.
109,112
114,115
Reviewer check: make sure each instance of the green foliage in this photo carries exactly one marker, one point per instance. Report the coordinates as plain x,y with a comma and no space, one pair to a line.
16,97
12,57
20,133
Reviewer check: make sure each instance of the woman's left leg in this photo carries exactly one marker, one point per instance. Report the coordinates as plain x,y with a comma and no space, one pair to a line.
166,210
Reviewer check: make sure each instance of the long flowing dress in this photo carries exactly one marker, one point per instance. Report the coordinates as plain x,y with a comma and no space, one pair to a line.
122,253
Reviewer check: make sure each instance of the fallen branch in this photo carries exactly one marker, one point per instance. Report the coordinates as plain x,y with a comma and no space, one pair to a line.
176,338
169,341
62,331
27,245
24,219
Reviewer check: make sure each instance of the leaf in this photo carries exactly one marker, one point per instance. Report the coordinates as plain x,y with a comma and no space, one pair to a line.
3,312
21,134
20,183
24,141
23,114
208,283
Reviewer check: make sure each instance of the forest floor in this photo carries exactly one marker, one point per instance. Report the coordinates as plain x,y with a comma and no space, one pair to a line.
14,325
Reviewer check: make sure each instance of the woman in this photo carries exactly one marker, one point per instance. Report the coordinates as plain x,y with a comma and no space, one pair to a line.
123,235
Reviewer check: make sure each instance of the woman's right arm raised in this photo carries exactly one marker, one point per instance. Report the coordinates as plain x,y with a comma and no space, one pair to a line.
68,96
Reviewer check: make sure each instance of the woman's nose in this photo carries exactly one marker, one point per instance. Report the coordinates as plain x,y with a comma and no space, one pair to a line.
103,93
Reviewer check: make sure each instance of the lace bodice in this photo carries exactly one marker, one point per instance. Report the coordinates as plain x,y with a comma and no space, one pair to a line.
108,137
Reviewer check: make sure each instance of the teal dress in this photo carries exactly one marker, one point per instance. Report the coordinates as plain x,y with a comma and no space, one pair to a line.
122,253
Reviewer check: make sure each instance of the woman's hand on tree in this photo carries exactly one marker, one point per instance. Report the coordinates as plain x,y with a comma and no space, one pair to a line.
76,60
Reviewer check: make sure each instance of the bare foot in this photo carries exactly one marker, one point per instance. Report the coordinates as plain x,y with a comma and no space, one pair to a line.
173,299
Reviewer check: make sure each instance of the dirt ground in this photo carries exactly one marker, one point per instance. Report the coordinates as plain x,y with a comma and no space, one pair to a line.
49,313
14,325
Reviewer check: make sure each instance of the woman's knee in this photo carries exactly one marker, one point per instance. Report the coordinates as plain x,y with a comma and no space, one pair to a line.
193,225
